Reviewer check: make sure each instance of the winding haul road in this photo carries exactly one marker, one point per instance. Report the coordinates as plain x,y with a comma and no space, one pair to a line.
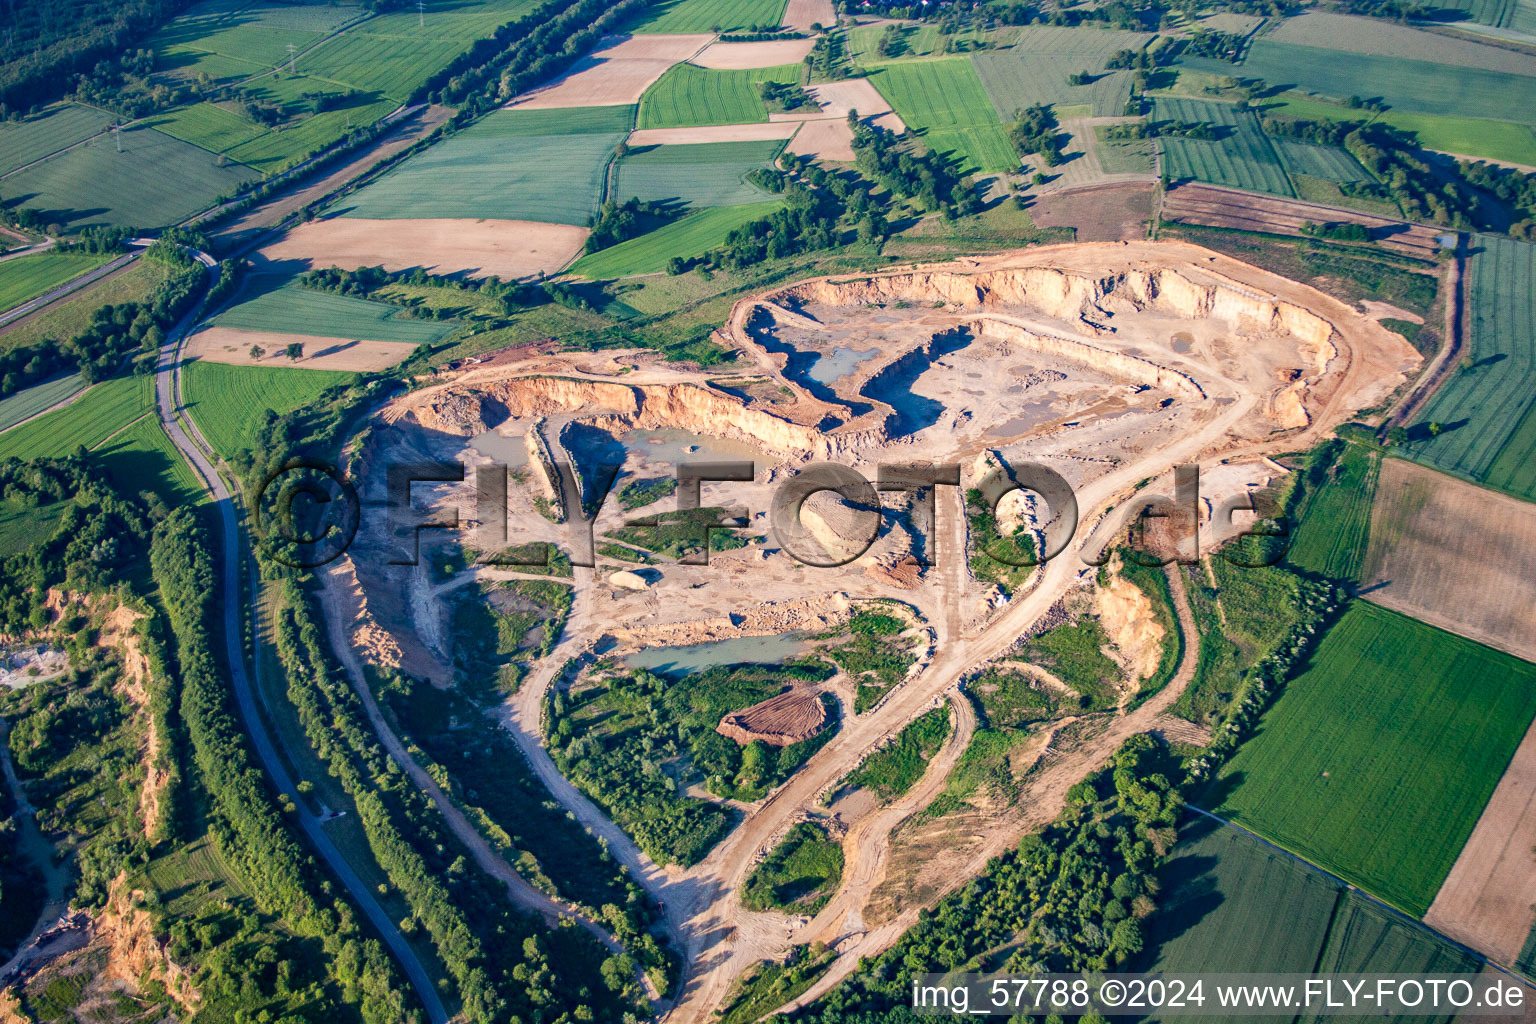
168,402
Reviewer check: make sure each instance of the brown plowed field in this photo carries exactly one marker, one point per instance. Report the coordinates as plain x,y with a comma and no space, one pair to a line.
507,248
826,140
782,720
768,54
615,75
1454,555
232,346
1196,203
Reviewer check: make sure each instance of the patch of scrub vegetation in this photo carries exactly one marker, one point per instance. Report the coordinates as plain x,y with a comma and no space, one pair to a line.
1071,897
1407,726
1008,698
895,768
640,493
1244,616
677,534
769,984
498,628
799,876
1006,560
1153,582
1074,653
874,658
634,742
1337,482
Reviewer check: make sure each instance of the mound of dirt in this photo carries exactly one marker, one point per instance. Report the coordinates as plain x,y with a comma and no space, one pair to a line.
779,721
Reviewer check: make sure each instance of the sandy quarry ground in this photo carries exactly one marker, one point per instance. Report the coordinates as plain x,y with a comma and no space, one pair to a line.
825,140
232,346
1488,901
1455,555
769,53
616,74
506,248
713,133
802,14
1109,363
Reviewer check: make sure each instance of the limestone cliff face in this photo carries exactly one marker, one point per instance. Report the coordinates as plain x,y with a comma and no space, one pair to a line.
1118,364
133,950
644,406
1069,295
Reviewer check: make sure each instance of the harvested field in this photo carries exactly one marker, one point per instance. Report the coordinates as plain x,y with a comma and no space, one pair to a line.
1455,555
1198,203
619,73
1486,901
716,133
825,140
232,346
766,54
837,99
779,721
507,248
803,15
1104,213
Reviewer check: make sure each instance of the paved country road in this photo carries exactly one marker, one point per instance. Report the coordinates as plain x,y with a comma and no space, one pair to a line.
167,400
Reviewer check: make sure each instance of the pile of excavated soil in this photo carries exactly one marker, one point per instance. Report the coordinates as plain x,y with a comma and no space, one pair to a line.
782,720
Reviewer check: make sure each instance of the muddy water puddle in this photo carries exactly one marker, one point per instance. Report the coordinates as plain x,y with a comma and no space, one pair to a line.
509,451
740,650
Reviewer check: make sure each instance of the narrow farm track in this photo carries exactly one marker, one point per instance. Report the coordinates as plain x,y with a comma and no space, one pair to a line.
168,403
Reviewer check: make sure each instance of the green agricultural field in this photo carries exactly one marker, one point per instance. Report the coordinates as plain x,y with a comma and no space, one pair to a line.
701,175
688,95
687,237
1324,162
71,315
143,456
896,767
31,401
1487,407
30,276
155,181
1415,86
1242,157
1335,514
22,142
207,126
1376,762
254,34
1354,34
543,165
1016,79
107,408
1494,140
296,310
394,54
919,40
1231,904
229,403
710,15
944,100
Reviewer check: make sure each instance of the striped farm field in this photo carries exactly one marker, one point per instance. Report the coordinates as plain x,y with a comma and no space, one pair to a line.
229,403
28,402
1467,136
682,16
153,181
1376,761
1326,162
689,96
22,142
1242,157
295,310
1015,80
207,126
701,175
1335,516
1487,407
943,98
1414,86
257,34
687,237
539,165
1356,34
24,279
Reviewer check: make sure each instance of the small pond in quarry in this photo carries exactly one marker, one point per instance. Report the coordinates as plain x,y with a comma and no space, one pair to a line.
739,650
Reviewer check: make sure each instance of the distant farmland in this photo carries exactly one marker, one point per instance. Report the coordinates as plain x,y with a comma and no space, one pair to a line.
707,15
706,174
688,96
22,142
1487,407
945,100
1376,762
30,276
1242,157
297,310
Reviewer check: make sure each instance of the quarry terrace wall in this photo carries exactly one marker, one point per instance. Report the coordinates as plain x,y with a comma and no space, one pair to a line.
1119,364
1067,295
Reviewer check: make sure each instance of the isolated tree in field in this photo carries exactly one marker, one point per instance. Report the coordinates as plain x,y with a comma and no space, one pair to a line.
256,352
1397,436
295,350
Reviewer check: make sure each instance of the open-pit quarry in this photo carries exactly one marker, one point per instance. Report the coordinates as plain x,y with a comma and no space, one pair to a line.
1109,364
